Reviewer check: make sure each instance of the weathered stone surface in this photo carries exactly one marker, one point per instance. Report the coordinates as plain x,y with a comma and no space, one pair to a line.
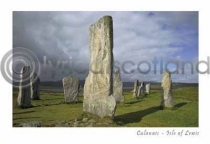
167,99
148,88
104,106
141,90
35,88
71,89
142,87
24,95
98,88
118,87
31,124
135,89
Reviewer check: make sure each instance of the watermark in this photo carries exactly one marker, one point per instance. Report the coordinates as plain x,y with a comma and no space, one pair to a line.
19,65
143,67
15,59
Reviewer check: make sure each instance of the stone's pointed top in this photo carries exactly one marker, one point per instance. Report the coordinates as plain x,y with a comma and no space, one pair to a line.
166,72
166,80
107,17
104,19
166,75
117,71
70,77
25,69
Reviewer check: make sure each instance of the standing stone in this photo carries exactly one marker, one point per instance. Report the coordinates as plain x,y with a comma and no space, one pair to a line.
167,99
118,87
98,88
24,95
135,89
71,89
148,88
143,87
35,88
141,90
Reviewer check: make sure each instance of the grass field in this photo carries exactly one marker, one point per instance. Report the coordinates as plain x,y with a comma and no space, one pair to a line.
144,112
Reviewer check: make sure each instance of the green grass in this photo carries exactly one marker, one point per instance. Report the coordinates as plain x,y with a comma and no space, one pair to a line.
143,112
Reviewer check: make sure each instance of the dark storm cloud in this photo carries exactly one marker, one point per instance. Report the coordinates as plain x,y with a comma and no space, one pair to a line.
63,36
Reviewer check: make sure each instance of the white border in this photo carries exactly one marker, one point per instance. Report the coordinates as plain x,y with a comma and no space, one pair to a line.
101,135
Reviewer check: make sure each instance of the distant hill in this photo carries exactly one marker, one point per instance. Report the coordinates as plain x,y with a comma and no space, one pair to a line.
57,83
82,82
125,84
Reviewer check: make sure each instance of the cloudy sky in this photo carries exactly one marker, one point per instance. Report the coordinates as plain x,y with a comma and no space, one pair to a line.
61,42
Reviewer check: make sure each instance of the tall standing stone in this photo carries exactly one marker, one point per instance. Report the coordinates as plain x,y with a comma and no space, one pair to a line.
167,99
148,88
24,95
98,88
71,89
135,89
35,88
143,87
118,87
141,90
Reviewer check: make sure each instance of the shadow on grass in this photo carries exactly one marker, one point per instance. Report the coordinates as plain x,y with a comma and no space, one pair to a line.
79,101
177,106
135,116
133,102
152,93
180,104
49,104
24,112
51,99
